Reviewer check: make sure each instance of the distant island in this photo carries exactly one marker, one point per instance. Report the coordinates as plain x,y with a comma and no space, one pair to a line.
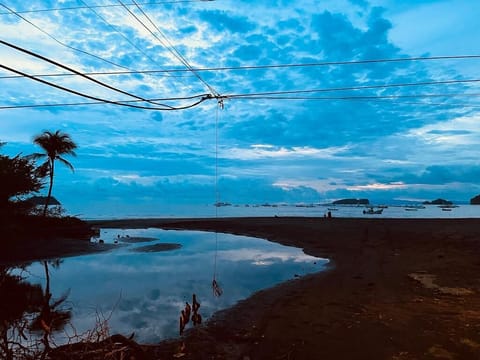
40,200
351,202
475,200
438,202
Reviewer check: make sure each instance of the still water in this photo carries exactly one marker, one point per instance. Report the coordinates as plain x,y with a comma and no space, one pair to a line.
144,292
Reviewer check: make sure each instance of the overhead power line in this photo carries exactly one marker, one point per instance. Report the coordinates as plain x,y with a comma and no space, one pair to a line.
208,96
166,43
201,98
106,6
352,88
347,88
273,66
198,100
61,42
72,70
353,97
272,95
91,8
106,101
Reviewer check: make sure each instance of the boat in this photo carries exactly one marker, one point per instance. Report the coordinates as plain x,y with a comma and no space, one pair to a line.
372,211
447,206
220,204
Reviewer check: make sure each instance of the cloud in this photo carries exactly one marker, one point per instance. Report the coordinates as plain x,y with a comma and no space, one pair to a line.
264,151
273,147
378,186
222,21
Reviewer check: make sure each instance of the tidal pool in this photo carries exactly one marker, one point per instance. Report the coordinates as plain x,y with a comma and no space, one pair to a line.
144,291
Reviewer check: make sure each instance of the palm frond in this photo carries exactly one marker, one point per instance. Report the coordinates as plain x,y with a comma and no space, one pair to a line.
66,163
35,156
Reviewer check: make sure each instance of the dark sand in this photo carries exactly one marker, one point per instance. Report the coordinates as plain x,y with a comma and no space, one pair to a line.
396,289
157,247
15,252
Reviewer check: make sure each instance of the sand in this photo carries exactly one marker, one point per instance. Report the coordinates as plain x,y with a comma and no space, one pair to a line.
395,289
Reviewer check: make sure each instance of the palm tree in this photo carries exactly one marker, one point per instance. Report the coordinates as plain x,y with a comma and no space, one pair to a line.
55,145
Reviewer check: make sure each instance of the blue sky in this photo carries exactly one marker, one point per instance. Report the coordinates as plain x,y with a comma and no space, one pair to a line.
395,143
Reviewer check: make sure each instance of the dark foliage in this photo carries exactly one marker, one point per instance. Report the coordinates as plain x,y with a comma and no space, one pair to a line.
18,177
26,227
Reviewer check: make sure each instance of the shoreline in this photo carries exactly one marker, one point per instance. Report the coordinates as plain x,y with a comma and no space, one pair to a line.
394,289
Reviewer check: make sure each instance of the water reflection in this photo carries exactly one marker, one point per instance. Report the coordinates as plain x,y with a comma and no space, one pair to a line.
29,315
144,292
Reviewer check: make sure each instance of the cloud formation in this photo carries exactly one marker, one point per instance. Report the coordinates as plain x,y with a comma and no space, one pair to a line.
298,133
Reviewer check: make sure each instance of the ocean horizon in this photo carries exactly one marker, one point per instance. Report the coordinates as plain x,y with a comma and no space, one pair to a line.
267,210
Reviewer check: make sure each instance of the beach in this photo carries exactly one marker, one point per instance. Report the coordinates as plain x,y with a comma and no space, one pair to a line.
394,289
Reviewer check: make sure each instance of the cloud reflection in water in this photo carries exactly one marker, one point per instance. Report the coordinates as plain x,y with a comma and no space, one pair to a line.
144,292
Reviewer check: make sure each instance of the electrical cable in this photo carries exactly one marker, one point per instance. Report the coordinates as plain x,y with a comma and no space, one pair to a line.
91,8
278,66
105,6
360,97
168,46
204,97
215,287
353,88
74,71
61,42
348,88
120,103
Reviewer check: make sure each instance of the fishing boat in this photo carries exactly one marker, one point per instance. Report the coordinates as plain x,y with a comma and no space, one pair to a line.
372,211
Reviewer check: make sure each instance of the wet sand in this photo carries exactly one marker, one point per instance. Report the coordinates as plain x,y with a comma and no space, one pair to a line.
396,289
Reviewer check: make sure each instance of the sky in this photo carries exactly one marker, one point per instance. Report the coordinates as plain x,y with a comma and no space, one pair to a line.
217,118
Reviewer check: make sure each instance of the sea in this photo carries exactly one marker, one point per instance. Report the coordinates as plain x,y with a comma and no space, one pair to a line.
307,210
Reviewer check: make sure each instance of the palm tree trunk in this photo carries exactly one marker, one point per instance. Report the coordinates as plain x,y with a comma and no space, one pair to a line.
47,201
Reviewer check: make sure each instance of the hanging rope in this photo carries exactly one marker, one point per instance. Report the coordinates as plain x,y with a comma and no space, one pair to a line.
217,290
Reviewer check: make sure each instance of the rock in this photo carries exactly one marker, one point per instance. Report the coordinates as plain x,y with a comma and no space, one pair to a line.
351,202
475,200
438,202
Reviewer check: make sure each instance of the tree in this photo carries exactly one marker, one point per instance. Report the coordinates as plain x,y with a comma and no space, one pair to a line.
55,145
17,177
